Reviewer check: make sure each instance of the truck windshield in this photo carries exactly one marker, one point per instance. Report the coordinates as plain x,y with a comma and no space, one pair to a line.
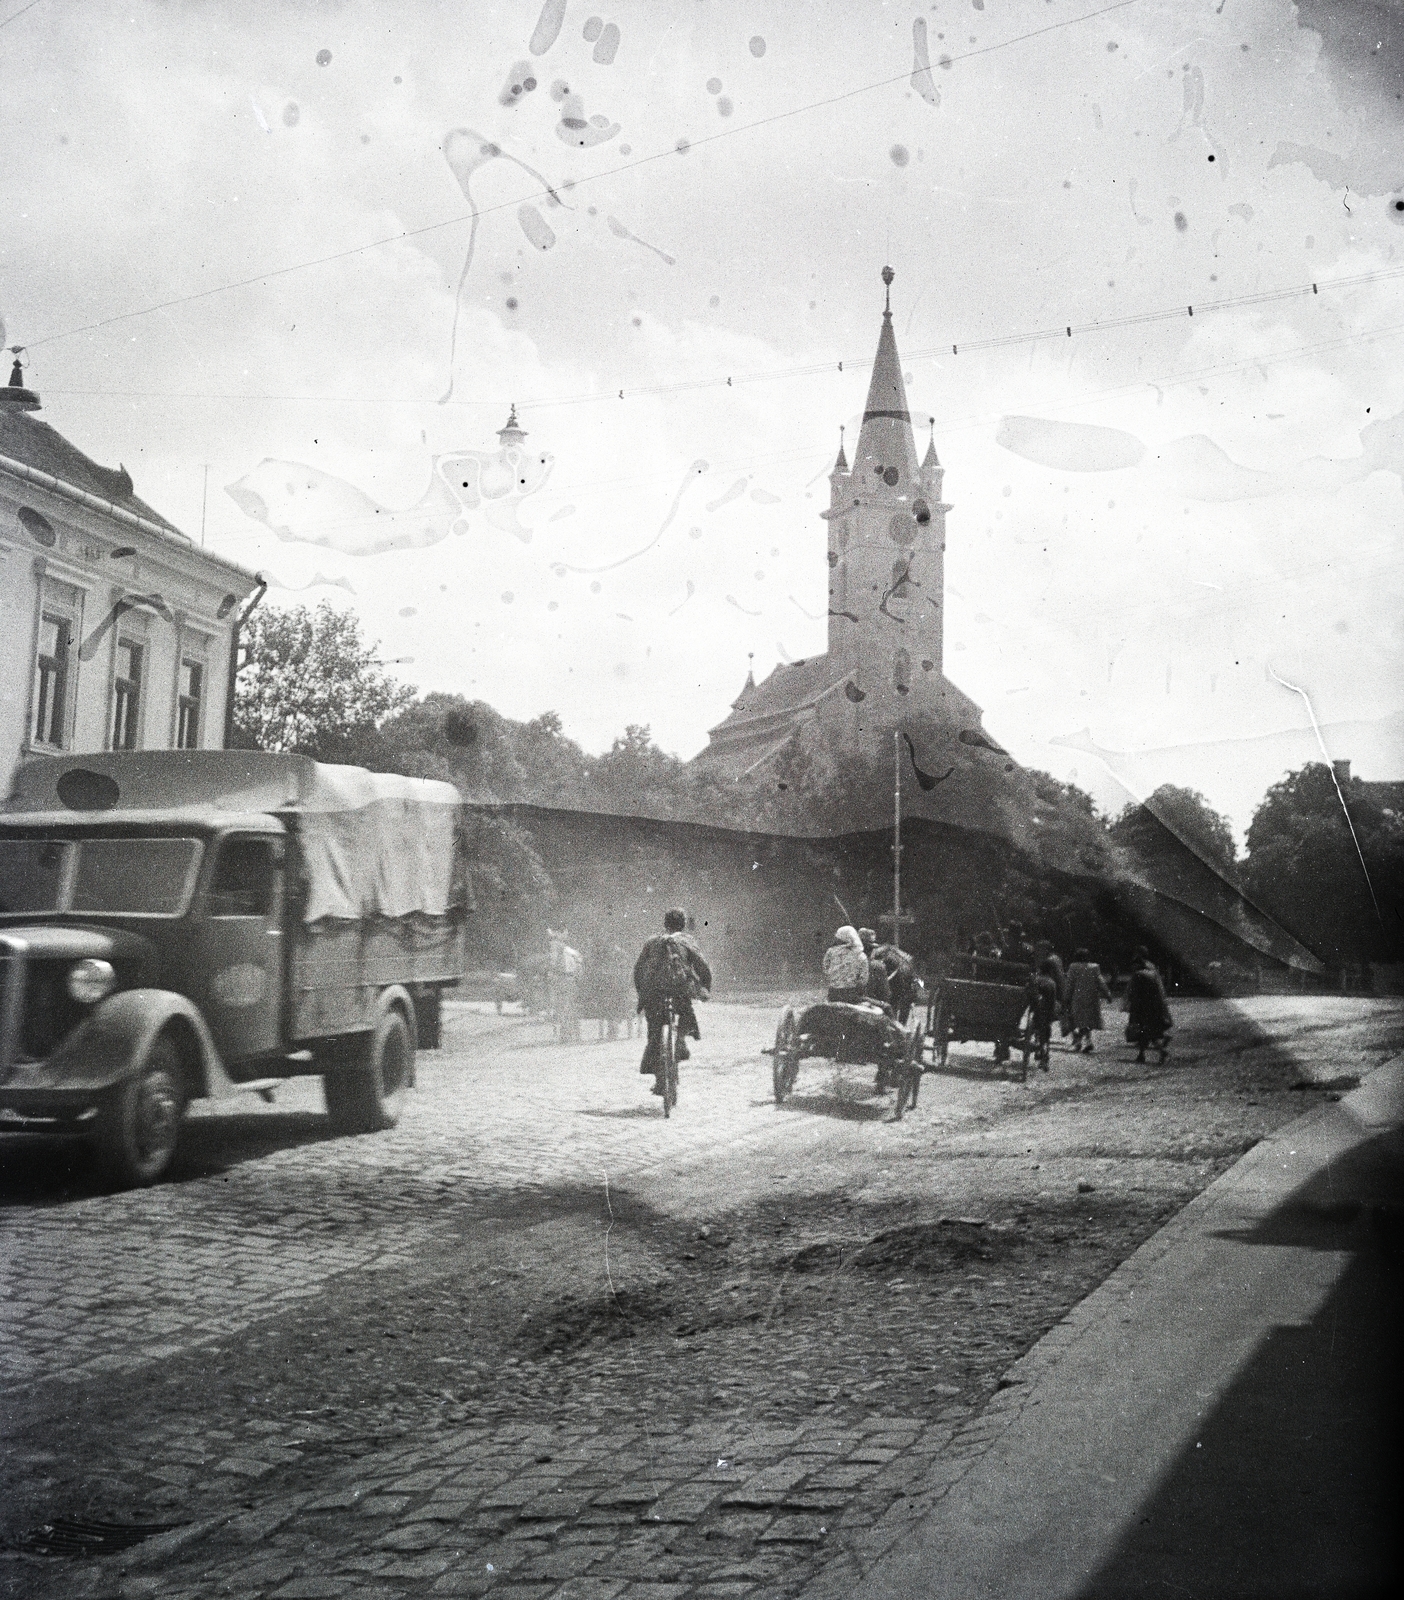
149,877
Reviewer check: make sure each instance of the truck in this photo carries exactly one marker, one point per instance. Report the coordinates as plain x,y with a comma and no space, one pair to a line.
187,924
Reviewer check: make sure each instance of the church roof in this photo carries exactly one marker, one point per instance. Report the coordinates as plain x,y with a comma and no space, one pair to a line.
885,441
792,686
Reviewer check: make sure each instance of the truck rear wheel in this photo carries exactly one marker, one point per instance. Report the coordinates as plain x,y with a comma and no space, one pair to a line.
141,1124
366,1092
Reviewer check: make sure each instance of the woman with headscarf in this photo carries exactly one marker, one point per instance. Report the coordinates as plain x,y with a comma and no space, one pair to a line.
846,967
1083,996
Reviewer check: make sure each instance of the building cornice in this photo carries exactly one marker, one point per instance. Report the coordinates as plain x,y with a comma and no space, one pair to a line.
108,508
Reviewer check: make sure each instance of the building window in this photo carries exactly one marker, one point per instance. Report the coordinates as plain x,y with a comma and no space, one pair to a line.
51,681
126,696
192,685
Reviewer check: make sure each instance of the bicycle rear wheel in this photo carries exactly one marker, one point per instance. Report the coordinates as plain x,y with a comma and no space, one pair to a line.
668,1050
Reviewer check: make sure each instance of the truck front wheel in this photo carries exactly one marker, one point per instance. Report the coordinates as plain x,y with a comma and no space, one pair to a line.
141,1124
366,1091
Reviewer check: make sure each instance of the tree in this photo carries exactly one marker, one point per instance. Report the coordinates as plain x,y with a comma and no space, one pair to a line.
1158,830
1338,884
312,684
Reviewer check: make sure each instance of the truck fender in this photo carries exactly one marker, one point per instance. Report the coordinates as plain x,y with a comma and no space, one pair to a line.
113,1040
397,998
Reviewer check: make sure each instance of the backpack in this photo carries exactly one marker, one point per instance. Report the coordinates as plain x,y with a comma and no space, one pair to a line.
677,974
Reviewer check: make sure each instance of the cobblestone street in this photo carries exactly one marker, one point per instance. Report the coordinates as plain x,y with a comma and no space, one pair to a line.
540,1341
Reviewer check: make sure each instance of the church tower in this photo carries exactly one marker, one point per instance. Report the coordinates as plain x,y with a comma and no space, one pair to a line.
887,541
884,668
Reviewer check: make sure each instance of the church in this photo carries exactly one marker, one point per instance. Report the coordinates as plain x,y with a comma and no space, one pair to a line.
884,668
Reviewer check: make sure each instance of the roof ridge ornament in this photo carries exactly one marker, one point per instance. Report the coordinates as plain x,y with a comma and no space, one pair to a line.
887,276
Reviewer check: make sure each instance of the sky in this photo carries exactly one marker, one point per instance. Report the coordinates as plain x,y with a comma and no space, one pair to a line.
292,266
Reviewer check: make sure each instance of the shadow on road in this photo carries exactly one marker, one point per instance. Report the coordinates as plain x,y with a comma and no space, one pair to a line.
38,1171
645,1112
841,1106
1291,1487
986,1072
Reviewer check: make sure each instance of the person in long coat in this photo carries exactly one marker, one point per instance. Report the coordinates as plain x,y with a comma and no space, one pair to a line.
563,977
1085,991
1148,1021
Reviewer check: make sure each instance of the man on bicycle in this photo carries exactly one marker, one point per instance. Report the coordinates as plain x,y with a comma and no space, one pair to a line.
670,968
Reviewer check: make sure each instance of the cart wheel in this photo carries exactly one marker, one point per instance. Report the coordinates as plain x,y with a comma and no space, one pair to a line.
784,1063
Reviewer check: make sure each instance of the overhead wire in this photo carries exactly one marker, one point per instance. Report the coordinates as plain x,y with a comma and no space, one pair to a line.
807,370
953,425
575,183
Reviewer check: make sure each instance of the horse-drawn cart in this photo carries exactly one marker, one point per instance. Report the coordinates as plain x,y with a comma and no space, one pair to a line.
981,1000
866,1034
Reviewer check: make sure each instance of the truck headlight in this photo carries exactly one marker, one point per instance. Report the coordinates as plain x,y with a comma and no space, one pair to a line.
90,980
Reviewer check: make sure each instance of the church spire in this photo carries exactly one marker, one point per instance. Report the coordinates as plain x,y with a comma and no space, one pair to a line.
841,460
885,443
930,458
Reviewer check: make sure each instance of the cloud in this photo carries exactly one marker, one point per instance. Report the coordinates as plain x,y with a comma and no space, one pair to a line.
1069,446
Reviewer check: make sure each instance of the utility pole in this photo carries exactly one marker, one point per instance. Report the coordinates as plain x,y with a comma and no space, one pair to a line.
897,840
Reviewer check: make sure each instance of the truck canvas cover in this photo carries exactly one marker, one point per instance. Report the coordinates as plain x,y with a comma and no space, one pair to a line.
373,844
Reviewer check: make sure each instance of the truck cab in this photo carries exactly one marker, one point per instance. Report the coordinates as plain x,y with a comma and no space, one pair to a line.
185,924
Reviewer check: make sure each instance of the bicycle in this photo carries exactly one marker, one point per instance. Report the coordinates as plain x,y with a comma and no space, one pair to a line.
668,1057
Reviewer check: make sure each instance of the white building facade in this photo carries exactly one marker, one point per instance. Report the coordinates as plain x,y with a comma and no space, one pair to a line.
117,632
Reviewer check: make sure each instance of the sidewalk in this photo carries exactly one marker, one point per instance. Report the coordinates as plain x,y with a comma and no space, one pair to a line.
1218,1419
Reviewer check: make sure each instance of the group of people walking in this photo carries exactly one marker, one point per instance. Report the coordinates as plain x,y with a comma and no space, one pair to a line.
1073,998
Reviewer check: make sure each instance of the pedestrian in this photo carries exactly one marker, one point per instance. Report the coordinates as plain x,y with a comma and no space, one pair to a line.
1085,990
1041,993
670,968
1148,1021
563,984
1044,951
616,999
846,967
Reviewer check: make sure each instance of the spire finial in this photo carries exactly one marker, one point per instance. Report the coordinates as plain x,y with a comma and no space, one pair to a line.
513,433
887,276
